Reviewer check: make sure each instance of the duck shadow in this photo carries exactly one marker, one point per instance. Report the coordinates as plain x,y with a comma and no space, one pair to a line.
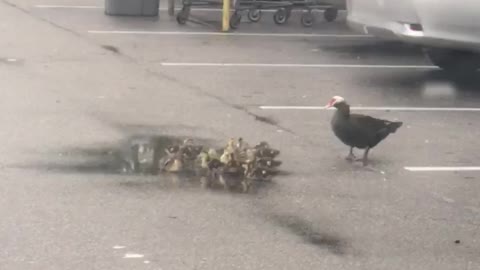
310,233
374,166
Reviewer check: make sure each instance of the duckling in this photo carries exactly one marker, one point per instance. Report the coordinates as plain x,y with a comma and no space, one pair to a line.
262,145
174,163
251,155
202,170
233,166
187,152
228,152
210,168
213,171
215,164
225,158
267,153
241,144
232,170
249,160
264,150
245,154
202,160
190,150
261,174
172,149
213,154
175,160
267,163
231,145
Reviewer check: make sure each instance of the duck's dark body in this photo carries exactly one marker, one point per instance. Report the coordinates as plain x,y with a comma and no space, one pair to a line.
360,131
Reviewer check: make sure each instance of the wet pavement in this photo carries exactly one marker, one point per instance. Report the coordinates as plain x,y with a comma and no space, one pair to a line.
75,95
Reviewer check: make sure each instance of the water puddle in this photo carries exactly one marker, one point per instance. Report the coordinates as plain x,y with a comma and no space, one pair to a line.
168,161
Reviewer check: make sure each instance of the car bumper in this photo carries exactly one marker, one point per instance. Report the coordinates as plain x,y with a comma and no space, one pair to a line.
402,32
404,21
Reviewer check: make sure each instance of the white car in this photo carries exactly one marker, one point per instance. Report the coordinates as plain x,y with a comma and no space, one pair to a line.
448,29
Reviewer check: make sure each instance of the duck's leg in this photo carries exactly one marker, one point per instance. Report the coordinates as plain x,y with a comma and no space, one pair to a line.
365,156
351,156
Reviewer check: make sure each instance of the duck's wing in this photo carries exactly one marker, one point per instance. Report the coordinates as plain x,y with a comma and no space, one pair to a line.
379,128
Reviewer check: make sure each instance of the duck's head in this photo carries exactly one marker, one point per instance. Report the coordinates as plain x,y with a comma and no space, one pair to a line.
204,158
188,141
213,154
335,101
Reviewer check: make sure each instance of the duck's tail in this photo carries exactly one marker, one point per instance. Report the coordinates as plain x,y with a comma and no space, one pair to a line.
393,126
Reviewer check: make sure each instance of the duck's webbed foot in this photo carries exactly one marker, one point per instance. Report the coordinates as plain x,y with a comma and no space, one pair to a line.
364,159
351,156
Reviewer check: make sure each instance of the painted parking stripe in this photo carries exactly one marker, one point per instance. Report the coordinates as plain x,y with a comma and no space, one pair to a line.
406,109
192,33
268,65
161,8
441,169
67,7
100,7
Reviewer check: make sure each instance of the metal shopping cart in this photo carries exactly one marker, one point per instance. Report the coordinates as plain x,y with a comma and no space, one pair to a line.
255,8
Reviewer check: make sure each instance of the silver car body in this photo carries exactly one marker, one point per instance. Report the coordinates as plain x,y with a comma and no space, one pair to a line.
435,23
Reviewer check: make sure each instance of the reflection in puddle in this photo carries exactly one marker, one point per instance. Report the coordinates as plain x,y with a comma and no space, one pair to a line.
437,89
434,88
188,182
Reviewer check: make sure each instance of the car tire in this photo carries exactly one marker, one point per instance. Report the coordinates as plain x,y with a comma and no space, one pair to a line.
457,61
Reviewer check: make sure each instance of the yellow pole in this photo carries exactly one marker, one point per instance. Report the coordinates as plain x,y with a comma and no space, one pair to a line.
171,7
226,16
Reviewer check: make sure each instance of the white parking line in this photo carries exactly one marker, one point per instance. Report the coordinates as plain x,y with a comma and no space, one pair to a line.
161,8
100,7
406,109
191,33
68,7
170,64
441,169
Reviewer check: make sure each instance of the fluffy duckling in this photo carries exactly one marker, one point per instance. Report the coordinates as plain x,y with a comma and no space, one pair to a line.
190,150
267,152
181,157
210,168
267,163
261,174
213,154
172,163
202,169
171,150
228,151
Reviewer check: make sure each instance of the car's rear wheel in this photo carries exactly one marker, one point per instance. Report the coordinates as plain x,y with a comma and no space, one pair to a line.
458,61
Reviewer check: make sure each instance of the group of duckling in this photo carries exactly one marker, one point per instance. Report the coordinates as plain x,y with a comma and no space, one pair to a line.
236,163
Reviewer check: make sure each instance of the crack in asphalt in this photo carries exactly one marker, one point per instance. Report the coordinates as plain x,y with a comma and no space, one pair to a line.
195,89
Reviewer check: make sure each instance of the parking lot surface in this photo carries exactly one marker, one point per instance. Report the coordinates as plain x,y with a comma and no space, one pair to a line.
77,83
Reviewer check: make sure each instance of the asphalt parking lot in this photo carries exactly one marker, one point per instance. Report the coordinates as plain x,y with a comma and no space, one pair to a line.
77,83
